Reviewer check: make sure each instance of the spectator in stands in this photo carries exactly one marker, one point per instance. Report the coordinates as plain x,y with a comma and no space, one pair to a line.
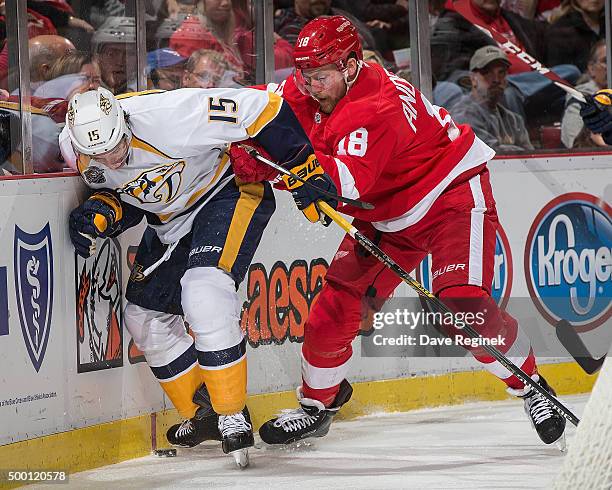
497,126
97,12
206,68
387,20
114,43
288,22
533,9
8,145
529,94
45,152
44,51
226,30
165,68
201,32
74,73
42,18
572,35
59,14
388,11
455,37
572,125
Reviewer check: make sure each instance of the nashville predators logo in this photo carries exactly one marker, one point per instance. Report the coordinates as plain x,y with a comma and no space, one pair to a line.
105,105
159,184
70,116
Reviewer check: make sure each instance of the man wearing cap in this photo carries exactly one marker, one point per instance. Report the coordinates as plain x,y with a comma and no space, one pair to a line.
165,68
497,126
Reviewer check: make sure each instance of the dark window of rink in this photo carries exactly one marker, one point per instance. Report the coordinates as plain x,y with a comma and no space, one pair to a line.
51,51
200,43
487,64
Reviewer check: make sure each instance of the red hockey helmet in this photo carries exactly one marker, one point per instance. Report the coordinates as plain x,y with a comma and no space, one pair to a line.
326,40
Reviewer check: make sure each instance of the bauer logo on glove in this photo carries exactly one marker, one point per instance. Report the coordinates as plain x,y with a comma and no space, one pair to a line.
305,171
603,98
306,196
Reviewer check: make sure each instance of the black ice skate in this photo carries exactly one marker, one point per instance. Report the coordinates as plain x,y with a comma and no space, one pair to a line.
237,436
548,423
202,427
312,419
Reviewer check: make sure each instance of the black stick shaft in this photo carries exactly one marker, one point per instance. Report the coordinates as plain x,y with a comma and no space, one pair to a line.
441,307
352,202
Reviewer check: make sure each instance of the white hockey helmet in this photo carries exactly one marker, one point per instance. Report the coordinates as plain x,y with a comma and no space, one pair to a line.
96,122
114,30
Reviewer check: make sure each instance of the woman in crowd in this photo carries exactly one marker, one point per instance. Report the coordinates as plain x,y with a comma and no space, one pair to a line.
572,35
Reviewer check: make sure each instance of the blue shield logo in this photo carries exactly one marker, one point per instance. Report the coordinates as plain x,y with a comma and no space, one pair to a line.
33,264
567,261
4,311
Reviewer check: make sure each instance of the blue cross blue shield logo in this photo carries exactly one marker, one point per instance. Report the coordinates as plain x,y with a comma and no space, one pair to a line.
33,264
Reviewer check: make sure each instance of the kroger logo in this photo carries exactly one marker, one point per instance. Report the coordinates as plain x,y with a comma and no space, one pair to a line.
502,272
568,260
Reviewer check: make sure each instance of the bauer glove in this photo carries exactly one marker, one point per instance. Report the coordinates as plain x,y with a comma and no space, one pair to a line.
597,114
306,196
98,216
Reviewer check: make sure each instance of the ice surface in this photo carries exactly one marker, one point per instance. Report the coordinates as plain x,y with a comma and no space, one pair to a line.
487,445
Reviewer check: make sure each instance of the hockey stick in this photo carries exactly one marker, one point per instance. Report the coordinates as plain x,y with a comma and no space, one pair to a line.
441,307
570,339
353,202
433,300
516,52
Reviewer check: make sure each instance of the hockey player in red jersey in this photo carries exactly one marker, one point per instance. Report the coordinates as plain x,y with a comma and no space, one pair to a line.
383,142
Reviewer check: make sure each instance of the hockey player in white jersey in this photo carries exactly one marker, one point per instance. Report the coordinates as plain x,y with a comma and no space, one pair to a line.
162,155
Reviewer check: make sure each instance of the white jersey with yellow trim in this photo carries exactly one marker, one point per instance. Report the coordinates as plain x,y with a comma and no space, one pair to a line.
177,158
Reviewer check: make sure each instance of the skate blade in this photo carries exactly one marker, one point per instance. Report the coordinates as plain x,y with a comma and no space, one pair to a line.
241,457
301,445
561,443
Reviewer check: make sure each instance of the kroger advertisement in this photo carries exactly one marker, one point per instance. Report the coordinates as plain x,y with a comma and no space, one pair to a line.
67,360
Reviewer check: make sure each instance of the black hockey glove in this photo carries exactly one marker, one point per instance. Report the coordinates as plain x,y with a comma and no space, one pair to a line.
597,114
306,196
98,216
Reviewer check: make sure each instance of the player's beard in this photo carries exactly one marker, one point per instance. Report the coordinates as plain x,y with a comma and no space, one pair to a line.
329,102
327,105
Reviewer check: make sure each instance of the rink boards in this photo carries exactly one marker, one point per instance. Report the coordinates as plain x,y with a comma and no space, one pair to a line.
75,393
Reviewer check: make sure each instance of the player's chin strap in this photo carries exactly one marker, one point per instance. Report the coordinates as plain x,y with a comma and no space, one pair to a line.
350,83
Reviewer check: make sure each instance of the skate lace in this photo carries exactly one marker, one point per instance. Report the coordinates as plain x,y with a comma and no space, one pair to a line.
185,428
292,420
539,409
231,424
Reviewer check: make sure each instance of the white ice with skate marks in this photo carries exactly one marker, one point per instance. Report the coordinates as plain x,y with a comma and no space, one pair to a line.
486,445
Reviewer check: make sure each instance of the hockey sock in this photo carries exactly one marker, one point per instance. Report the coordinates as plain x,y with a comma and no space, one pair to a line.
179,380
225,375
